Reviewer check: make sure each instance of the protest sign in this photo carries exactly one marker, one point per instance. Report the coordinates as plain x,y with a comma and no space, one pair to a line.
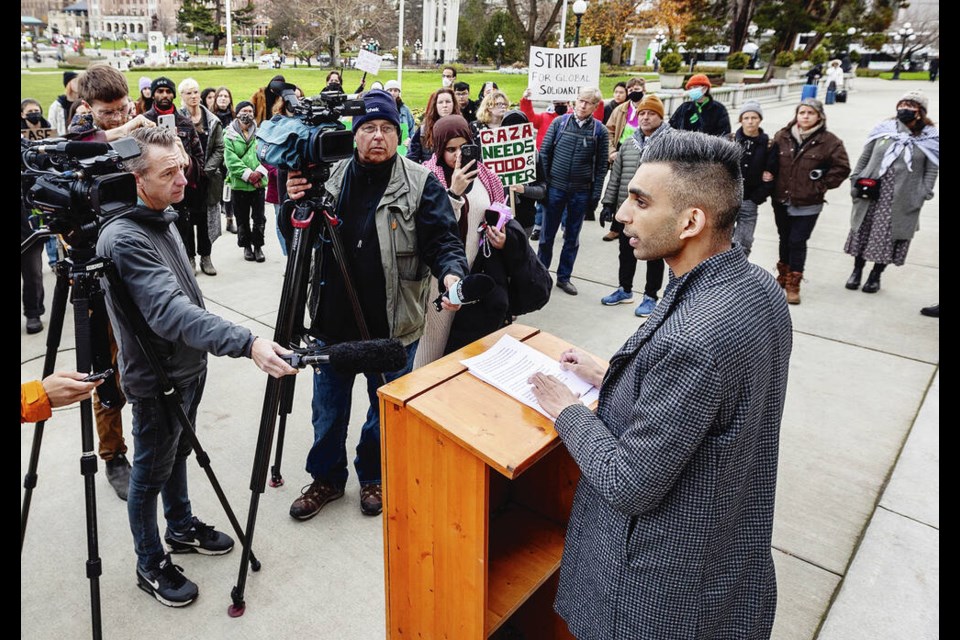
510,152
368,61
560,74
37,134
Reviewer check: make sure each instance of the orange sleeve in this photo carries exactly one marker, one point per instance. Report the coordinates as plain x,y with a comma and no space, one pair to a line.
34,404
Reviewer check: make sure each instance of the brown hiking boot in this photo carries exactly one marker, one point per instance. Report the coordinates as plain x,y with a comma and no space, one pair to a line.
312,498
793,287
371,499
783,269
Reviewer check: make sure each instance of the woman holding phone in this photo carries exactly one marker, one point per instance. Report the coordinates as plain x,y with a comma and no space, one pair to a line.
451,135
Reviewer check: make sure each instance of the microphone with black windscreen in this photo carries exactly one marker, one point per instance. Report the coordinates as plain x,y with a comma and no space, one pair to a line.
468,290
361,356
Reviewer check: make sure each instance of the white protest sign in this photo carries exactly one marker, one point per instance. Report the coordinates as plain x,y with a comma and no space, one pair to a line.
368,61
511,153
560,74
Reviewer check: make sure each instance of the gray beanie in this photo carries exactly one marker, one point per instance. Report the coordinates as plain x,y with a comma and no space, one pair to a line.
752,105
814,104
917,98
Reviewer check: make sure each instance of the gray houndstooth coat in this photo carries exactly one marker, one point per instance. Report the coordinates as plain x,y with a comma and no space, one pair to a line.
670,531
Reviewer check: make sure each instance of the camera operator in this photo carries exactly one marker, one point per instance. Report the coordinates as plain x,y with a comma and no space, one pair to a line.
151,261
397,227
105,91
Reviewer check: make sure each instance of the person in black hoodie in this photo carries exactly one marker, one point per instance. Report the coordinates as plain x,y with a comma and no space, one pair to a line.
759,167
701,113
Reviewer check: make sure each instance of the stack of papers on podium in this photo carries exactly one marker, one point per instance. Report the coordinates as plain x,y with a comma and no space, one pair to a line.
508,365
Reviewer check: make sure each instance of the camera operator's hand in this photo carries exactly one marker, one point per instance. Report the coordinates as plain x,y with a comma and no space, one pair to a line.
462,176
606,214
67,387
297,185
449,281
266,355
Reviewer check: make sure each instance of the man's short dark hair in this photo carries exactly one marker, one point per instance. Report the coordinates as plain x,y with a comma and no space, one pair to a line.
102,82
461,86
147,138
706,172
453,69
621,84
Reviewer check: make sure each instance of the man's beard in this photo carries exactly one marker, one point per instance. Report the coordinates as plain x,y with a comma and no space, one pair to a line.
163,103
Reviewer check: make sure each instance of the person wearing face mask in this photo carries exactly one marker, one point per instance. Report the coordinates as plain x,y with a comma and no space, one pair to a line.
248,180
472,189
701,113
448,78
57,113
541,121
490,112
811,161
759,168
442,103
623,120
406,116
32,126
902,155
32,121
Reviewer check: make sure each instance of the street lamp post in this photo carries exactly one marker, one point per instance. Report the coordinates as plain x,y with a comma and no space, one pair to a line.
196,45
579,8
417,47
296,50
904,35
499,43
114,35
659,39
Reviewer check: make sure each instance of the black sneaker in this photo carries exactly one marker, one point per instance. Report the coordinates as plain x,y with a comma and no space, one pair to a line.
199,538
167,584
118,475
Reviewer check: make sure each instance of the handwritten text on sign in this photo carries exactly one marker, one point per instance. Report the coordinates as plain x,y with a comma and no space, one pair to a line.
560,74
369,62
511,153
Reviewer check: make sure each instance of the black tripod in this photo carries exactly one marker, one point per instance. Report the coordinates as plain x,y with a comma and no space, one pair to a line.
290,331
84,268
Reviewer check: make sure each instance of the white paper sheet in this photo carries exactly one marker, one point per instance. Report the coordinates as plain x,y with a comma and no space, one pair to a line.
508,365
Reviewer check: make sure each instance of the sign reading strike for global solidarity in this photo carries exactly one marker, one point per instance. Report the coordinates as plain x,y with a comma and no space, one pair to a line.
511,153
369,62
559,74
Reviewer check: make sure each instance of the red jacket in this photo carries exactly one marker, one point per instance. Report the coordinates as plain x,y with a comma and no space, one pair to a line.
542,120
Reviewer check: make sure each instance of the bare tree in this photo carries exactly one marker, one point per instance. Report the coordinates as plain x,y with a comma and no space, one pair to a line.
538,17
315,22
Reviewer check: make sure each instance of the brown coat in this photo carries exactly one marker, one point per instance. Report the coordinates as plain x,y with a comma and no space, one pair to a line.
822,150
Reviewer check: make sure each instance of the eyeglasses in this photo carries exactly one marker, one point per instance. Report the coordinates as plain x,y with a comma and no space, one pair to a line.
500,105
370,129
110,114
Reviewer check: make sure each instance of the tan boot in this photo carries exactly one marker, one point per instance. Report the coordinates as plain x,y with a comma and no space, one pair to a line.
793,287
782,270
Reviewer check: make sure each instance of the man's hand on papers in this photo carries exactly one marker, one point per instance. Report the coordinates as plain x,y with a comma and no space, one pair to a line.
583,365
553,395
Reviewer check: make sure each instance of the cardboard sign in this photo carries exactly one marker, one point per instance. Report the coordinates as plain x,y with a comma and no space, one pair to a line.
560,74
37,134
369,62
511,153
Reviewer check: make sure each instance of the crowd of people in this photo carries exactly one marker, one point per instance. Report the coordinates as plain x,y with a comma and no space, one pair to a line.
416,224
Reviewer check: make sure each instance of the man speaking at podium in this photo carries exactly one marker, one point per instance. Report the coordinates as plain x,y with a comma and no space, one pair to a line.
669,535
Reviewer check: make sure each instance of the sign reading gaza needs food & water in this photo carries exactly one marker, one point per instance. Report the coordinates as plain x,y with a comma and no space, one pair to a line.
511,153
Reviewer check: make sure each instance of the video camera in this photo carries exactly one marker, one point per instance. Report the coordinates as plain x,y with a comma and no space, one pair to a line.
75,183
314,136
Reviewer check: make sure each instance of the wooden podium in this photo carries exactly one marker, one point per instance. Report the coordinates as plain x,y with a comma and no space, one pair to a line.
477,493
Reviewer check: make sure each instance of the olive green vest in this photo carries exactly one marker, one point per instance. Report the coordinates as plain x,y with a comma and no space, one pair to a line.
407,277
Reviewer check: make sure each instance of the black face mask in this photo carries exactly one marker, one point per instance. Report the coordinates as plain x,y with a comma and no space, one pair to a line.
33,118
560,109
635,96
906,116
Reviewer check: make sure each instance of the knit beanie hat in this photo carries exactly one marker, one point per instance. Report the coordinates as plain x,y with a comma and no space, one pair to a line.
68,76
651,102
392,84
698,80
749,106
144,83
917,98
245,103
815,104
166,83
379,105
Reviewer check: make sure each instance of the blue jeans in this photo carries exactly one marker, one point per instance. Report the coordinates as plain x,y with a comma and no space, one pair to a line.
283,243
575,203
332,395
52,254
746,225
159,467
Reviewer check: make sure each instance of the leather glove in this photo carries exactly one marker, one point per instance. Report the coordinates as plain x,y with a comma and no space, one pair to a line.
606,214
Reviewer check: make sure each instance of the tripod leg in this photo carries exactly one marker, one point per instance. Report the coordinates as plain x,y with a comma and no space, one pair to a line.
54,332
286,407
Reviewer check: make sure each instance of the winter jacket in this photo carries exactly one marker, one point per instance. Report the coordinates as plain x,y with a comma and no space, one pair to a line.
151,261
240,157
821,151
758,157
416,150
712,118
575,157
541,121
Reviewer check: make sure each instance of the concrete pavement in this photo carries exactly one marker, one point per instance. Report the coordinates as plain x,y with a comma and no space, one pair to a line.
856,537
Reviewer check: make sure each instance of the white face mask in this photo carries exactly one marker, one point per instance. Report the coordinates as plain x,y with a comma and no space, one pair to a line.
447,82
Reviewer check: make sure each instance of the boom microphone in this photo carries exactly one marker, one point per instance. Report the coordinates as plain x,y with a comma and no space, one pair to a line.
362,356
79,150
468,290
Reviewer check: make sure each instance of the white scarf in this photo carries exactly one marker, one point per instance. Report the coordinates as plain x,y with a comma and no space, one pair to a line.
903,141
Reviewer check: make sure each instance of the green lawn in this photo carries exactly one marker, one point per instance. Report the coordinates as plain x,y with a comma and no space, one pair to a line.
417,85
